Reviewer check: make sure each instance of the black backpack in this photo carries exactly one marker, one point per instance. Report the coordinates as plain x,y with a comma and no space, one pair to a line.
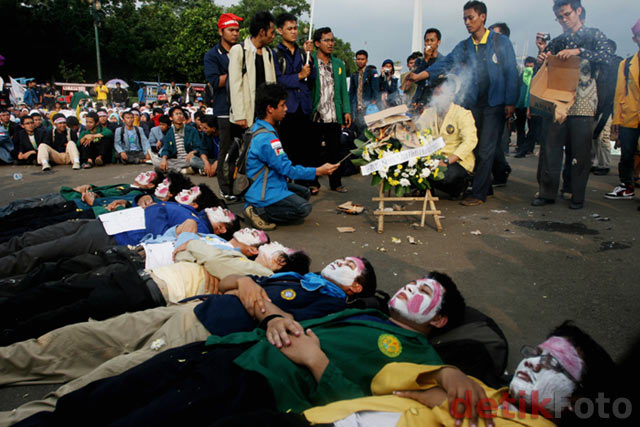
235,164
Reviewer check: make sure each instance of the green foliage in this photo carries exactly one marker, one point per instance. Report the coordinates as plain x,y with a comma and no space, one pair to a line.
70,72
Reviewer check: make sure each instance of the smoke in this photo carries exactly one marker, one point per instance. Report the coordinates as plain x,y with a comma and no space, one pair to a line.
454,89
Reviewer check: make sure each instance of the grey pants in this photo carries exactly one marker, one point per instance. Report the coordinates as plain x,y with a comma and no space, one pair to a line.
577,132
66,239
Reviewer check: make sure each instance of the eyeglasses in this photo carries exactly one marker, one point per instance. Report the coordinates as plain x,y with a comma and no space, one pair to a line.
328,40
564,16
547,360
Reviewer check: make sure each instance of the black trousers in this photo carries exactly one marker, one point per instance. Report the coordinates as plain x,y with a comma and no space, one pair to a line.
228,131
490,123
189,385
329,134
455,181
30,219
99,294
103,147
67,239
296,138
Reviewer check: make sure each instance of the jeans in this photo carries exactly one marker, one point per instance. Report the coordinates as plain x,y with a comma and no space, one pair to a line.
576,133
629,143
490,123
294,208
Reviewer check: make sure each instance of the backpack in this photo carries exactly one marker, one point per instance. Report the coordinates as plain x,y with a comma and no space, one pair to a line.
124,130
627,71
282,59
235,164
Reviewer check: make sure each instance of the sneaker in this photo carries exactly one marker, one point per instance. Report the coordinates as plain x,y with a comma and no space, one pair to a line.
621,192
76,165
228,197
256,220
46,166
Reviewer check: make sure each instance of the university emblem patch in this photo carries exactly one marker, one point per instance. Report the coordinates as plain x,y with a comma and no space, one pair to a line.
277,146
288,294
390,345
451,129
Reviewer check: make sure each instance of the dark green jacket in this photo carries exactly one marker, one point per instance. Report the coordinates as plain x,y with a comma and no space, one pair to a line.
357,349
340,93
191,142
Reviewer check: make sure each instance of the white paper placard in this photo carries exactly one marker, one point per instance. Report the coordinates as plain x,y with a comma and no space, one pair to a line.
403,156
158,254
123,220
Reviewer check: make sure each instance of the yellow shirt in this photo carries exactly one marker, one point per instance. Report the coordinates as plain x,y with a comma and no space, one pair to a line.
405,376
483,40
102,92
458,129
626,107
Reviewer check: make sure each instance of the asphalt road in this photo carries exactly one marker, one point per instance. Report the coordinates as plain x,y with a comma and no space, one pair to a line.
528,268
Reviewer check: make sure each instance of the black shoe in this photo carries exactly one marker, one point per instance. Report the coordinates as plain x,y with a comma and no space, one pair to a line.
520,155
542,202
601,171
575,205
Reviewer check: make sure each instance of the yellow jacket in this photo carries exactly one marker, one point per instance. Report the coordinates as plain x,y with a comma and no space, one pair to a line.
404,376
458,129
626,107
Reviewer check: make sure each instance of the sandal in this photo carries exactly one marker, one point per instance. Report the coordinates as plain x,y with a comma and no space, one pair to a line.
314,190
340,189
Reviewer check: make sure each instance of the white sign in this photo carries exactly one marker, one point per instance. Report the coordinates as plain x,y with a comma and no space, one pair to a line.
158,254
123,220
402,156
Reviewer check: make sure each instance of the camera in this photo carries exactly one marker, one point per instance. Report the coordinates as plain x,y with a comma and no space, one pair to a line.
545,36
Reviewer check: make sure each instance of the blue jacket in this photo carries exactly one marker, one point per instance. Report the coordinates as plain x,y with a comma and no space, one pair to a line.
370,88
162,216
266,149
191,142
216,64
121,141
502,69
142,96
30,98
299,92
224,314
6,145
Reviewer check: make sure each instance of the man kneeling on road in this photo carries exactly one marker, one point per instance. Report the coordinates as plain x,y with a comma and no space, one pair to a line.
270,199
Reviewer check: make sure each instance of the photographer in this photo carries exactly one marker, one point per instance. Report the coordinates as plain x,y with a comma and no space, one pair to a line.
389,95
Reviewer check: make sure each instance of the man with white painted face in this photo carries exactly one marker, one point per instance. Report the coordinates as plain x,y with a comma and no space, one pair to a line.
300,295
549,380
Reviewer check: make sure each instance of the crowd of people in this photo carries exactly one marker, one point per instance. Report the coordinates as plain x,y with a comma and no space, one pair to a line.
196,320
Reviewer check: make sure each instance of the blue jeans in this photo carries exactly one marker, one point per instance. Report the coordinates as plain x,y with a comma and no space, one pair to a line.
490,124
294,208
628,145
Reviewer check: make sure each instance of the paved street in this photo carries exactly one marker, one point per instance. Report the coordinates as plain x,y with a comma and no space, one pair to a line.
528,268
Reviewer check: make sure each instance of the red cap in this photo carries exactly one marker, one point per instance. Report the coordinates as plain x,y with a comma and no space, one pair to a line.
228,20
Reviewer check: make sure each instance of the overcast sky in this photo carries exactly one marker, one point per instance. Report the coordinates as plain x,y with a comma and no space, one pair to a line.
384,27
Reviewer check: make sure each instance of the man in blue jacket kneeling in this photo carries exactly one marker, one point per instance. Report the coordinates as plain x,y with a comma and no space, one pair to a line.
271,199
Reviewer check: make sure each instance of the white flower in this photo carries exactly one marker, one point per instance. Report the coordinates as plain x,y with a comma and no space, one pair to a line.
433,164
405,182
366,156
383,173
412,162
425,173
412,172
157,344
398,171
404,175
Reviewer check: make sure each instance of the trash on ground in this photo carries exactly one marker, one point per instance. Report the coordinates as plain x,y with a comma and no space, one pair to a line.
351,208
476,232
346,229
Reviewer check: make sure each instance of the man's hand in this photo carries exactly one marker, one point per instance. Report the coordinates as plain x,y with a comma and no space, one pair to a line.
89,197
158,145
242,124
305,350
86,140
26,155
304,73
568,53
181,248
453,159
457,385
614,135
347,120
541,42
116,204
188,226
211,283
509,111
430,398
308,46
124,156
190,156
279,329
210,169
82,188
542,56
164,164
252,296
327,169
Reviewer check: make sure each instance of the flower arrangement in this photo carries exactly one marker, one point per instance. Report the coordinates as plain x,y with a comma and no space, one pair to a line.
404,178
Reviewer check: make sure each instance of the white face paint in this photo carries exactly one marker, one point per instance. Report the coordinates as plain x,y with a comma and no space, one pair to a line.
250,237
343,271
220,215
419,302
188,196
162,190
269,254
534,387
145,178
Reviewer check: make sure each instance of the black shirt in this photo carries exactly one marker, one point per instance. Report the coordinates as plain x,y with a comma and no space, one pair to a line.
260,77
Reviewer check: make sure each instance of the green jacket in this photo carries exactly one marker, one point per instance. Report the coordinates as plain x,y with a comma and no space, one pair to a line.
101,191
341,95
357,349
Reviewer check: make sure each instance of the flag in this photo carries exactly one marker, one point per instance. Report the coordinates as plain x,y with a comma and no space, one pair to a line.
17,91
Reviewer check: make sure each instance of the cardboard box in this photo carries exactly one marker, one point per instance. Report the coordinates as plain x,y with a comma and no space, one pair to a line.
553,89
